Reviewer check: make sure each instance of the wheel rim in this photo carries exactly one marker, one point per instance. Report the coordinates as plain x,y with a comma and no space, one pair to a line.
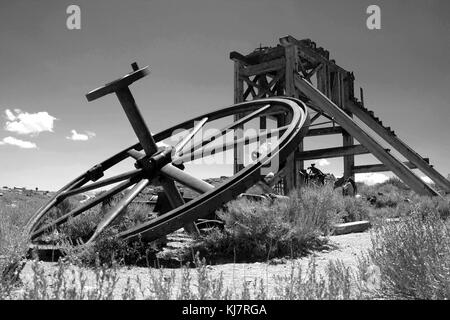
199,207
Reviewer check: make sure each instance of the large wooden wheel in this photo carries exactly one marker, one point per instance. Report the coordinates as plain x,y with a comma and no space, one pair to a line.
155,163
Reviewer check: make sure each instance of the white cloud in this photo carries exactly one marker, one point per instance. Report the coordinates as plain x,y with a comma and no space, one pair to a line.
371,178
323,162
427,180
81,136
18,143
28,123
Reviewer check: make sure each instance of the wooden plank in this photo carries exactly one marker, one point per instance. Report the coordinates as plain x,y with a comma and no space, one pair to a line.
351,227
264,67
380,167
324,131
236,56
331,152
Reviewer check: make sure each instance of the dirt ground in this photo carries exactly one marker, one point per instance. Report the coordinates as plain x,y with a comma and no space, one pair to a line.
345,248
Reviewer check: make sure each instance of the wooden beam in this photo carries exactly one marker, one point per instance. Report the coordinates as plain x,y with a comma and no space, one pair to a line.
267,89
313,71
241,58
351,227
324,131
264,67
380,167
331,152
316,116
310,54
238,151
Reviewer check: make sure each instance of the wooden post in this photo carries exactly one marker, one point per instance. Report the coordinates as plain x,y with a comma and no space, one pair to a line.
238,150
347,139
291,55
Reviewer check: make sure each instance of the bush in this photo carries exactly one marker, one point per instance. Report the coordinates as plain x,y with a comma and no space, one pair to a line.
256,231
108,249
414,256
355,209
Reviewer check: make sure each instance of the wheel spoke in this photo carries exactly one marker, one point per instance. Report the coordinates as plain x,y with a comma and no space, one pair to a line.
87,206
227,146
136,155
105,182
118,209
176,200
229,127
55,200
180,145
185,179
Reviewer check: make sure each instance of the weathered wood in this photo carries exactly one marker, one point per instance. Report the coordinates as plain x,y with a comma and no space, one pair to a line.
380,167
324,131
176,200
331,152
291,68
236,56
238,151
351,227
267,89
250,88
313,71
264,67
349,160
268,54
310,54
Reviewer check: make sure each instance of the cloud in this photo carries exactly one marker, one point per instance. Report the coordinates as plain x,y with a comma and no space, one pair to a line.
371,178
427,180
18,143
81,136
28,123
323,162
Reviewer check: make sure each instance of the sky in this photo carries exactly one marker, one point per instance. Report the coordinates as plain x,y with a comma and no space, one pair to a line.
50,134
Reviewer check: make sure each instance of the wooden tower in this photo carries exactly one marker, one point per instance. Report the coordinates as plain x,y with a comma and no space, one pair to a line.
298,68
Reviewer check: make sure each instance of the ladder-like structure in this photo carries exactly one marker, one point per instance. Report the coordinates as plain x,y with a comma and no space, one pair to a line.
299,69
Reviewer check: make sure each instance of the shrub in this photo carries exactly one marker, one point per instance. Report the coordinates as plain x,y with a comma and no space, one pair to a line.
256,231
397,183
355,209
414,256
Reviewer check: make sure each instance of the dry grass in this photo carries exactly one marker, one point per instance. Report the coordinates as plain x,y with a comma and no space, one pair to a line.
411,258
